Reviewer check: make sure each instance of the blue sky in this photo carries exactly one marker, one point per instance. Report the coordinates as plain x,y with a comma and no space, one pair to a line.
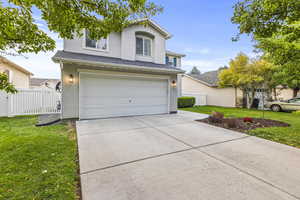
201,29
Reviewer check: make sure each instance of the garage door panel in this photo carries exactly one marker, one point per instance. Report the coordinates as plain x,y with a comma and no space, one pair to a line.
106,101
93,112
134,92
122,86
102,96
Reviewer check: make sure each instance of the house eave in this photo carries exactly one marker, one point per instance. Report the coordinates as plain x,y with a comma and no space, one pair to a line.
16,66
117,66
156,26
170,53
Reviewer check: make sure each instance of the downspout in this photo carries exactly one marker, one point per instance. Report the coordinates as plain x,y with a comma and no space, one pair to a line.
62,87
235,94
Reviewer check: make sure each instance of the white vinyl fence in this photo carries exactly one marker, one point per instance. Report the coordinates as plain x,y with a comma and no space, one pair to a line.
201,99
30,102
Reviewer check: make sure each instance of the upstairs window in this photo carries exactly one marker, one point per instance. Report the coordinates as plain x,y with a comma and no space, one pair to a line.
95,44
175,62
167,60
143,46
171,61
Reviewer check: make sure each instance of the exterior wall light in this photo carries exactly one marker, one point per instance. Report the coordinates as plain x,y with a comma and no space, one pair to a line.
71,79
173,84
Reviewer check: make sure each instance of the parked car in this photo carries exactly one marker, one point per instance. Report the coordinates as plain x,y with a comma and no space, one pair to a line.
288,105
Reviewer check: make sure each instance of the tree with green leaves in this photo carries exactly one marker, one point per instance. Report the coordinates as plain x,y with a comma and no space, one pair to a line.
195,71
275,26
5,85
247,75
289,76
19,32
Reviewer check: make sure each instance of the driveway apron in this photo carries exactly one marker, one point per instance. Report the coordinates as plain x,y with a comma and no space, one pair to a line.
174,157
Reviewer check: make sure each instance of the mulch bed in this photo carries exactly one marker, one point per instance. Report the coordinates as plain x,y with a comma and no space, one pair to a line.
245,127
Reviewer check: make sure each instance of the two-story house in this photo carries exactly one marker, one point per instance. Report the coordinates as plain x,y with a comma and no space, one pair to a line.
126,74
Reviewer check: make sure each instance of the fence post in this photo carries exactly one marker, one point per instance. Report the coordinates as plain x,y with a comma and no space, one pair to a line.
9,105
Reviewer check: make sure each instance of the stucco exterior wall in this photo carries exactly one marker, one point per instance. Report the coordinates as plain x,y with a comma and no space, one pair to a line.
77,45
70,94
215,96
128,44
284,94
122,45
17,78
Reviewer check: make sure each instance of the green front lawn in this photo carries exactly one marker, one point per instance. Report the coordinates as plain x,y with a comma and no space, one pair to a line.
286,135
37,162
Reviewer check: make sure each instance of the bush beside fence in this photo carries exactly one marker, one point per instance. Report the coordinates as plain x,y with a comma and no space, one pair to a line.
185,102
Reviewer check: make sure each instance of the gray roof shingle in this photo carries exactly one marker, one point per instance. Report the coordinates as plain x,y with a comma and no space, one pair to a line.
211,77
65,55
40,81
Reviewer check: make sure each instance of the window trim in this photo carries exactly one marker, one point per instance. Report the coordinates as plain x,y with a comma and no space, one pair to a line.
151,46
94,49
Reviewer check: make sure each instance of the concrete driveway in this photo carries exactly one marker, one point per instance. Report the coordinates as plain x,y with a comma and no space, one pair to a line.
164,157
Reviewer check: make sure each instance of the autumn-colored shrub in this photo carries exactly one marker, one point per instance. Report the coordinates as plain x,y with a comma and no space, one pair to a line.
231,123
216,117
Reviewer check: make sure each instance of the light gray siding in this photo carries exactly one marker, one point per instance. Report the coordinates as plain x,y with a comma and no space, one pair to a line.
128,44
122,45
77,45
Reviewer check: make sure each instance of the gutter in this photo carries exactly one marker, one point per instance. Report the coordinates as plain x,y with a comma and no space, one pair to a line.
124,66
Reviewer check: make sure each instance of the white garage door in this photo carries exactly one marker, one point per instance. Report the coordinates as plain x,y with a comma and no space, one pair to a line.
104,96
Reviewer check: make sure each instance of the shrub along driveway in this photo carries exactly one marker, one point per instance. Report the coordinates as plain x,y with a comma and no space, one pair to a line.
173,157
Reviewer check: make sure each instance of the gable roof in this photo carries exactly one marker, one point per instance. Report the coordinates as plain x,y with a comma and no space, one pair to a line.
40,81
14,65
208,78
156,26
66,56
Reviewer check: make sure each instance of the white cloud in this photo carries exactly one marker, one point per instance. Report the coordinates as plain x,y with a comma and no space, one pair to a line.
203,51
39,64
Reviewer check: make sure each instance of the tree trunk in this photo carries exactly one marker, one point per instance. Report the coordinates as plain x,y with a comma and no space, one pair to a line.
295,92
252,96
249,99
275,94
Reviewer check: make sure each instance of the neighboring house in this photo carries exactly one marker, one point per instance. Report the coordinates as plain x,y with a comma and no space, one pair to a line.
207,84
125,74
17,75
284,93
43,83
